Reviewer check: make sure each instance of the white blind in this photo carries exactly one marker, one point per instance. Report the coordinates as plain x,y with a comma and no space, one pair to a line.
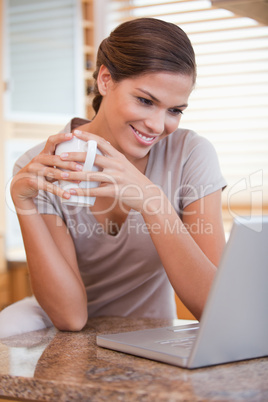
42,60
229,103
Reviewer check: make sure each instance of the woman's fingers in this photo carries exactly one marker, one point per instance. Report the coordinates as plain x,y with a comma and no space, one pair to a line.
54,140
86,136
44,164
101,161
100,177
67,163
45,185
104,146
28,184
73,156
104,190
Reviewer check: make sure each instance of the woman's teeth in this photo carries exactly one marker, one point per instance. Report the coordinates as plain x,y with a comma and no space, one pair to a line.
143,136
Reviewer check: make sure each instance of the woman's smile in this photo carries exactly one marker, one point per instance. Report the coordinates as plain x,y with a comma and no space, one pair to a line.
142,138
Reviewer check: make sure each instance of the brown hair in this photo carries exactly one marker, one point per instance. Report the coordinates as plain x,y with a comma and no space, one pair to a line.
141,46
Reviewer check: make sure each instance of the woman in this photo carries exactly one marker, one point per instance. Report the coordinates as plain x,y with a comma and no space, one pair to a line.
157,217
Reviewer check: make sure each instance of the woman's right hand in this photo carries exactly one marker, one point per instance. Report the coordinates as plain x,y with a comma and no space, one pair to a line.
41,173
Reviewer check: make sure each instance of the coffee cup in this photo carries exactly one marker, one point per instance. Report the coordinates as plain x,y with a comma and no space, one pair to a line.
78,145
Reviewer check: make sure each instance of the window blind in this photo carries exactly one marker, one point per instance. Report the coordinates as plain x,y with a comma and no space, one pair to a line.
229,103
43,57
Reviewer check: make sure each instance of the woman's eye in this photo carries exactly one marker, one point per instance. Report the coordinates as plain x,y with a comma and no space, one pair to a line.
175,111
145,101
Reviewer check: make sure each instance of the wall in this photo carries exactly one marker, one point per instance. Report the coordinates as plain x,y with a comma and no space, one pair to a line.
2,210
18,131
3,279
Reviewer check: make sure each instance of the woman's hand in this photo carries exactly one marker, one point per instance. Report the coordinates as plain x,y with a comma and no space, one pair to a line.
119,178
41,173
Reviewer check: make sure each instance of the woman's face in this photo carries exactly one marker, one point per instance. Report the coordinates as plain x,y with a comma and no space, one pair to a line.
138,112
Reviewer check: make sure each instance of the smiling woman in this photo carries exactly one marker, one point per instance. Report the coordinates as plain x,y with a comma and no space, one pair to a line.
159,187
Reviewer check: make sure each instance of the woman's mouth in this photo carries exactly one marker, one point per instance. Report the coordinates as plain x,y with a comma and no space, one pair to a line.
142,138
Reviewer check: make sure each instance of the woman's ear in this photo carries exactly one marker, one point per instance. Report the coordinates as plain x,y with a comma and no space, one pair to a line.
104,80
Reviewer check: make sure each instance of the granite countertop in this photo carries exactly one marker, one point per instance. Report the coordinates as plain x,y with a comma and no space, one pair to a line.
49,365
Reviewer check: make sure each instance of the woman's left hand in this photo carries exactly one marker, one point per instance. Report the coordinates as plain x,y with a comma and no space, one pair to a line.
119,178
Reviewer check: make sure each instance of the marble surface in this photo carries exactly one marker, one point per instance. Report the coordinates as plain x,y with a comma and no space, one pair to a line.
49,365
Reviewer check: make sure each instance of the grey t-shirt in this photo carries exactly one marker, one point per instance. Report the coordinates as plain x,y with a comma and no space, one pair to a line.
123,274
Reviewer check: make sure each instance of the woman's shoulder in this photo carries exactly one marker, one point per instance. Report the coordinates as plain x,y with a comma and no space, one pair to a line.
183,141
184,137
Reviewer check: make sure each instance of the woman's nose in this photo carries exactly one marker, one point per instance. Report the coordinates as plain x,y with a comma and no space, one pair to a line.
156,122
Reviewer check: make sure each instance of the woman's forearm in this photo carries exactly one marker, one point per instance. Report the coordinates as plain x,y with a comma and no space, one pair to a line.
189,270
55,278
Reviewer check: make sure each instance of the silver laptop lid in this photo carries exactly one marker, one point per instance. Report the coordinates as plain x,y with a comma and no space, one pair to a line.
234,325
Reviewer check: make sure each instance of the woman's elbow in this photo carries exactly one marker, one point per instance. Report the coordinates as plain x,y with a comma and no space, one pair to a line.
73,324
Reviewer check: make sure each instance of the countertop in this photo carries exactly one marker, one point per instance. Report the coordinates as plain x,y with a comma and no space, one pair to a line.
49,365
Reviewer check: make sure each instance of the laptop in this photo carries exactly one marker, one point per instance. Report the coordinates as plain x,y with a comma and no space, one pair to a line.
234,323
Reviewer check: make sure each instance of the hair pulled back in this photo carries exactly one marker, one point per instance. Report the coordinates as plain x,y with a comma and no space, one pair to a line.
142,46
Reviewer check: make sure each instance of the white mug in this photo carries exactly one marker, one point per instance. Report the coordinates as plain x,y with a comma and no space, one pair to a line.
78,145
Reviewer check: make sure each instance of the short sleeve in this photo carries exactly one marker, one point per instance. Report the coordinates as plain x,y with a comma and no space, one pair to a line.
201,173
48,204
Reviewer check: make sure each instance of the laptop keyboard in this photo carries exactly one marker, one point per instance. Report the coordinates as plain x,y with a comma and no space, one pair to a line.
184,337
185,343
